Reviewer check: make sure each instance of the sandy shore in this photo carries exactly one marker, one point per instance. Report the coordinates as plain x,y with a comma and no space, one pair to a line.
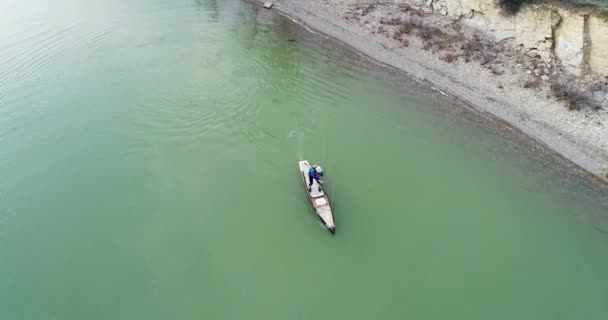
580,136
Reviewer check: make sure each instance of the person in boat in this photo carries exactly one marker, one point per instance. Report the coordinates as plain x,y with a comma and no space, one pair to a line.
315,173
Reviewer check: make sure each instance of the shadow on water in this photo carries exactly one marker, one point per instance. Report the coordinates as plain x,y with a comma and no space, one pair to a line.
275,37
209,6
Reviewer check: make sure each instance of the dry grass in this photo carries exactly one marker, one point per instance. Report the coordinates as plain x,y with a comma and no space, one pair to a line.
368,9
394,21
563,92
450,57
533,84
382,30
403,29
406,8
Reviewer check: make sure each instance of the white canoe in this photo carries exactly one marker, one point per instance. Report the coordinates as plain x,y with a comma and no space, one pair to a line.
318,198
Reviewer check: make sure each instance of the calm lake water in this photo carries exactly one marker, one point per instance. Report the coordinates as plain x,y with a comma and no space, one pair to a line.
148,170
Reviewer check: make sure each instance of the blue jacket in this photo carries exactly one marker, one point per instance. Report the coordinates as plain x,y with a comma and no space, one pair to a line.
313,173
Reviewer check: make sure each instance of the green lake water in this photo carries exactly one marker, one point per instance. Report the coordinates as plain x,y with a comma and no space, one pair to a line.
148,170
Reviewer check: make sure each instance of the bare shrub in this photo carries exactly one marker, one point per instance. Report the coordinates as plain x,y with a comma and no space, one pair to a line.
368,9
406,8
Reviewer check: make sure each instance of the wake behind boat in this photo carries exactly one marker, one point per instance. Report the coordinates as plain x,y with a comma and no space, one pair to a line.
318,198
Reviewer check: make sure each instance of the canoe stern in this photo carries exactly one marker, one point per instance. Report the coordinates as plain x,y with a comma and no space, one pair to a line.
327,217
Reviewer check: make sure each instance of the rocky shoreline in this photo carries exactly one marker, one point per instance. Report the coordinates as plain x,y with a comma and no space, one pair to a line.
531,94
